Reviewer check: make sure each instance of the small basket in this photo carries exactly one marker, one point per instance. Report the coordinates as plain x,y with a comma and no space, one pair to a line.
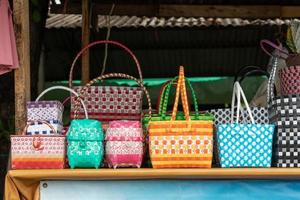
124,144
38,151
124,139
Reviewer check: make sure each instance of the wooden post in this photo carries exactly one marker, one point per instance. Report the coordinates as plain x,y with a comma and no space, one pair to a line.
22,75
85,39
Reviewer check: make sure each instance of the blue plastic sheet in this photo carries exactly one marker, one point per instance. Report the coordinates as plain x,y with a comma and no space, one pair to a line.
172,189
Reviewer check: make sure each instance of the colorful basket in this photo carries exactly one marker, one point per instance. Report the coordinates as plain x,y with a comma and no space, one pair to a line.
289,80
284,111
44,110
38,151
244,144
124,144
125,139
181,143
108,103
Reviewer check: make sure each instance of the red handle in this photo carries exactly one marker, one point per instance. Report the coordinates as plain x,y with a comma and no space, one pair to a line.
104,42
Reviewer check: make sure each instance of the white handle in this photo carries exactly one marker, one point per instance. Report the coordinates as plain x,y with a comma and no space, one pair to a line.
237,92
64,88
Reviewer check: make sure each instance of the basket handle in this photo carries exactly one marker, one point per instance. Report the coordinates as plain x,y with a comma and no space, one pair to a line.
237,93
180,93
162,93
274,46
245,70
37,142
184,98
114,75
256,71
67,89
104,42
165,93
271,81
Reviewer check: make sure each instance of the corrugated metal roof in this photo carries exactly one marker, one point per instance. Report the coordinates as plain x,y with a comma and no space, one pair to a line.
204,51
74,20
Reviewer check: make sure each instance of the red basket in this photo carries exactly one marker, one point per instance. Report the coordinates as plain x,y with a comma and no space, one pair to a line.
290,80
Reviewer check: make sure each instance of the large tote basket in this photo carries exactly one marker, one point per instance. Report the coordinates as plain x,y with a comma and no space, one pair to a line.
107,103
181,143
244,144
284,111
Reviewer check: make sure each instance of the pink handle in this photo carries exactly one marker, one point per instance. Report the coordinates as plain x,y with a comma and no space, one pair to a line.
104,42
269,43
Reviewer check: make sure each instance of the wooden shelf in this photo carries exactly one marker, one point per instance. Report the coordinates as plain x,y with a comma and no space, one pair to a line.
148,173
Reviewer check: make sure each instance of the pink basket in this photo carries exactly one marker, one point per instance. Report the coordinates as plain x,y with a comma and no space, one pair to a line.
290,80
124,144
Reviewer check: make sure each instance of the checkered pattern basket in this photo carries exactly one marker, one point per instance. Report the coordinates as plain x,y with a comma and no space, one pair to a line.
181,143
39,128
107,103
290,80
284,111
38,151
222,115
44,110
124,139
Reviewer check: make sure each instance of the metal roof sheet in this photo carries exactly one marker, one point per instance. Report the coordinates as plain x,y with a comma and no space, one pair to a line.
74,21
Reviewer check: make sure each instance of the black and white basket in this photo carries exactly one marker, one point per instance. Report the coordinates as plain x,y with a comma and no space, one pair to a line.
222,115
284,111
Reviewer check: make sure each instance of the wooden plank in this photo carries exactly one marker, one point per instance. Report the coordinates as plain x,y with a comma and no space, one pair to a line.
22,75
219,11
103,9
85,39
149,173
169,10
290,11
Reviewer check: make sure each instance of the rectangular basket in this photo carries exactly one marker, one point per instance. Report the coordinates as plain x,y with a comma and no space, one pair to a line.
285,113
181,147
124,144
108,103
44,110
36,128
38,152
